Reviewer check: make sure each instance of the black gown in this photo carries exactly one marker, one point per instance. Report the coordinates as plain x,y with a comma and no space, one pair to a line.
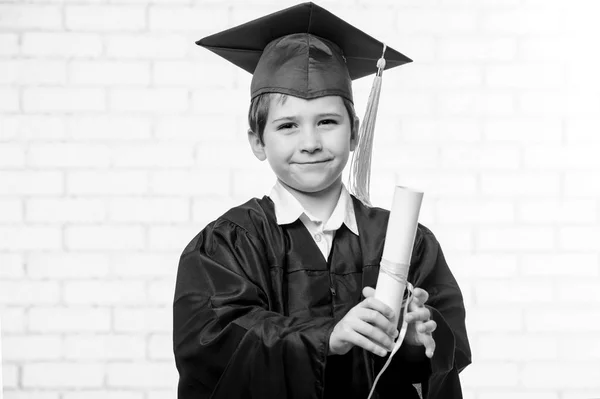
255,304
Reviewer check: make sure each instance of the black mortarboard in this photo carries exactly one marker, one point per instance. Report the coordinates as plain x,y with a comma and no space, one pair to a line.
304,51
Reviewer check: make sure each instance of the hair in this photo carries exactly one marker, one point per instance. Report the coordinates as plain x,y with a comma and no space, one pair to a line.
259,112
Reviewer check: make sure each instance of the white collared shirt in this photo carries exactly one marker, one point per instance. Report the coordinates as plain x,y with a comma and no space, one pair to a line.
288,209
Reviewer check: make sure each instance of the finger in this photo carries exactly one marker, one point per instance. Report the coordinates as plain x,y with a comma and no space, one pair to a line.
374,334
360,340
419,314
429,344
379,306
376,319
427,327
368,292
421,294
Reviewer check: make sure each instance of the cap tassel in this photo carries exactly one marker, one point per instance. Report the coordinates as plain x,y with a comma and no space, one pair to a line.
360,166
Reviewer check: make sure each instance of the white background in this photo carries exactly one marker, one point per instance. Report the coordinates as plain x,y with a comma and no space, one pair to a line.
120,139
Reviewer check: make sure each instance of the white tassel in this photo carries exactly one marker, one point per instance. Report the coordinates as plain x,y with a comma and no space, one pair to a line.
360,166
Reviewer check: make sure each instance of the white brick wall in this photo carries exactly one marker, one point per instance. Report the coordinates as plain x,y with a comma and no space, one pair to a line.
120,139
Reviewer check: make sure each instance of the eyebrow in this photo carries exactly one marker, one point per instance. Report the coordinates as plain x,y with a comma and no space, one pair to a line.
293,118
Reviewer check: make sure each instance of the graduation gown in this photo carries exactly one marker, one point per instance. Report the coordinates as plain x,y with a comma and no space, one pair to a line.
256,302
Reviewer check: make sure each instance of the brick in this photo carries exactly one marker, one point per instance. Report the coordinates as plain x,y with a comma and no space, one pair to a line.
64,266
582,104
63,99
9,44
153,155
135,375
215,155
550,103
144,265
160,347
508,292
65,210
109,127
103,394
494,319
205,210
31,182
144,46
471,48
248,183
149,100
581,184
480,157
30,348
519,394
123,182
60,375
523,20
104,292
31,394
143,320
21,237
523,130
204,103
576,393
486,375
582,77
193,74
13,319
440,130
9,100
204,182
33,72
476,266
579,238
29,292
454,238
525,76
557,211
558,157
30,127
105,18
104,237
470,103
12,155
438,76
61,44
11,210
419,47
524,184
11,265
441,184
582,347
69,155
436,22
421,156
193,128
161,292
109,73
73,319
515,238
562,319
171,238
412,103
513,347
28,16
474,211
10,376
582,130
562,264
104,347
559,375
580,292
169,18
149,210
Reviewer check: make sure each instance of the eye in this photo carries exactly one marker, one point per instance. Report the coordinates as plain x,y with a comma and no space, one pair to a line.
328,122
285,126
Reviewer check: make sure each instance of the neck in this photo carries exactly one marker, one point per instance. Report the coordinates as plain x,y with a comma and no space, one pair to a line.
321,203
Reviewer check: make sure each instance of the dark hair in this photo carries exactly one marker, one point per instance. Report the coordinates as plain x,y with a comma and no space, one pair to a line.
259,112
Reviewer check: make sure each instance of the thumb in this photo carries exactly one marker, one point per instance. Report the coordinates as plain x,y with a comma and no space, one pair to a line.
368,291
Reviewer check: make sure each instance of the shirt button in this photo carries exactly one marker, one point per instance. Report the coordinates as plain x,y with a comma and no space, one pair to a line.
318,237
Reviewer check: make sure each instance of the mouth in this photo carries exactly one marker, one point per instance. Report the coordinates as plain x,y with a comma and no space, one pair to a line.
313,162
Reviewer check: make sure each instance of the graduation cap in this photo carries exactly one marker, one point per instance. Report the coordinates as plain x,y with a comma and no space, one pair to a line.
307,52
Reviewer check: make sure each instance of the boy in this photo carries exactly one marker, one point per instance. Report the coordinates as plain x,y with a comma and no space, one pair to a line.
268,297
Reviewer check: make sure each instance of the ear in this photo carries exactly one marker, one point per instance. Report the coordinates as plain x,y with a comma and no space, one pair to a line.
258,148
354,134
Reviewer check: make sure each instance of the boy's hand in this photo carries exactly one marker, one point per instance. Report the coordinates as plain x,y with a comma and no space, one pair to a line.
368,325
420,325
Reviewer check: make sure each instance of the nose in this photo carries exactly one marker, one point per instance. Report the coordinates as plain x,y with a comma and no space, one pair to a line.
311,140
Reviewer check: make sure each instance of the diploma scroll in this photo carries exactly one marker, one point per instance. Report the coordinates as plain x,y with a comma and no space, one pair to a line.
395,261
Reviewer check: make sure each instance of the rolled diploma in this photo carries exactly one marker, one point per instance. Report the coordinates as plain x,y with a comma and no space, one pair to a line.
397,250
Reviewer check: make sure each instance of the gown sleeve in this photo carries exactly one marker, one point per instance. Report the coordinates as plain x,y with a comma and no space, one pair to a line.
438,376
227,344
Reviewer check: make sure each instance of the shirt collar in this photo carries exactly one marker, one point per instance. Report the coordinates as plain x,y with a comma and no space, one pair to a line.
288,209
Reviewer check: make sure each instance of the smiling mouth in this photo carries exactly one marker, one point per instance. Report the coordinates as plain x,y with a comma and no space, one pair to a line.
314,162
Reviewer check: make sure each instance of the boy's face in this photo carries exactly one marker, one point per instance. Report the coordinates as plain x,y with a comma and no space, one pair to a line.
307,142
